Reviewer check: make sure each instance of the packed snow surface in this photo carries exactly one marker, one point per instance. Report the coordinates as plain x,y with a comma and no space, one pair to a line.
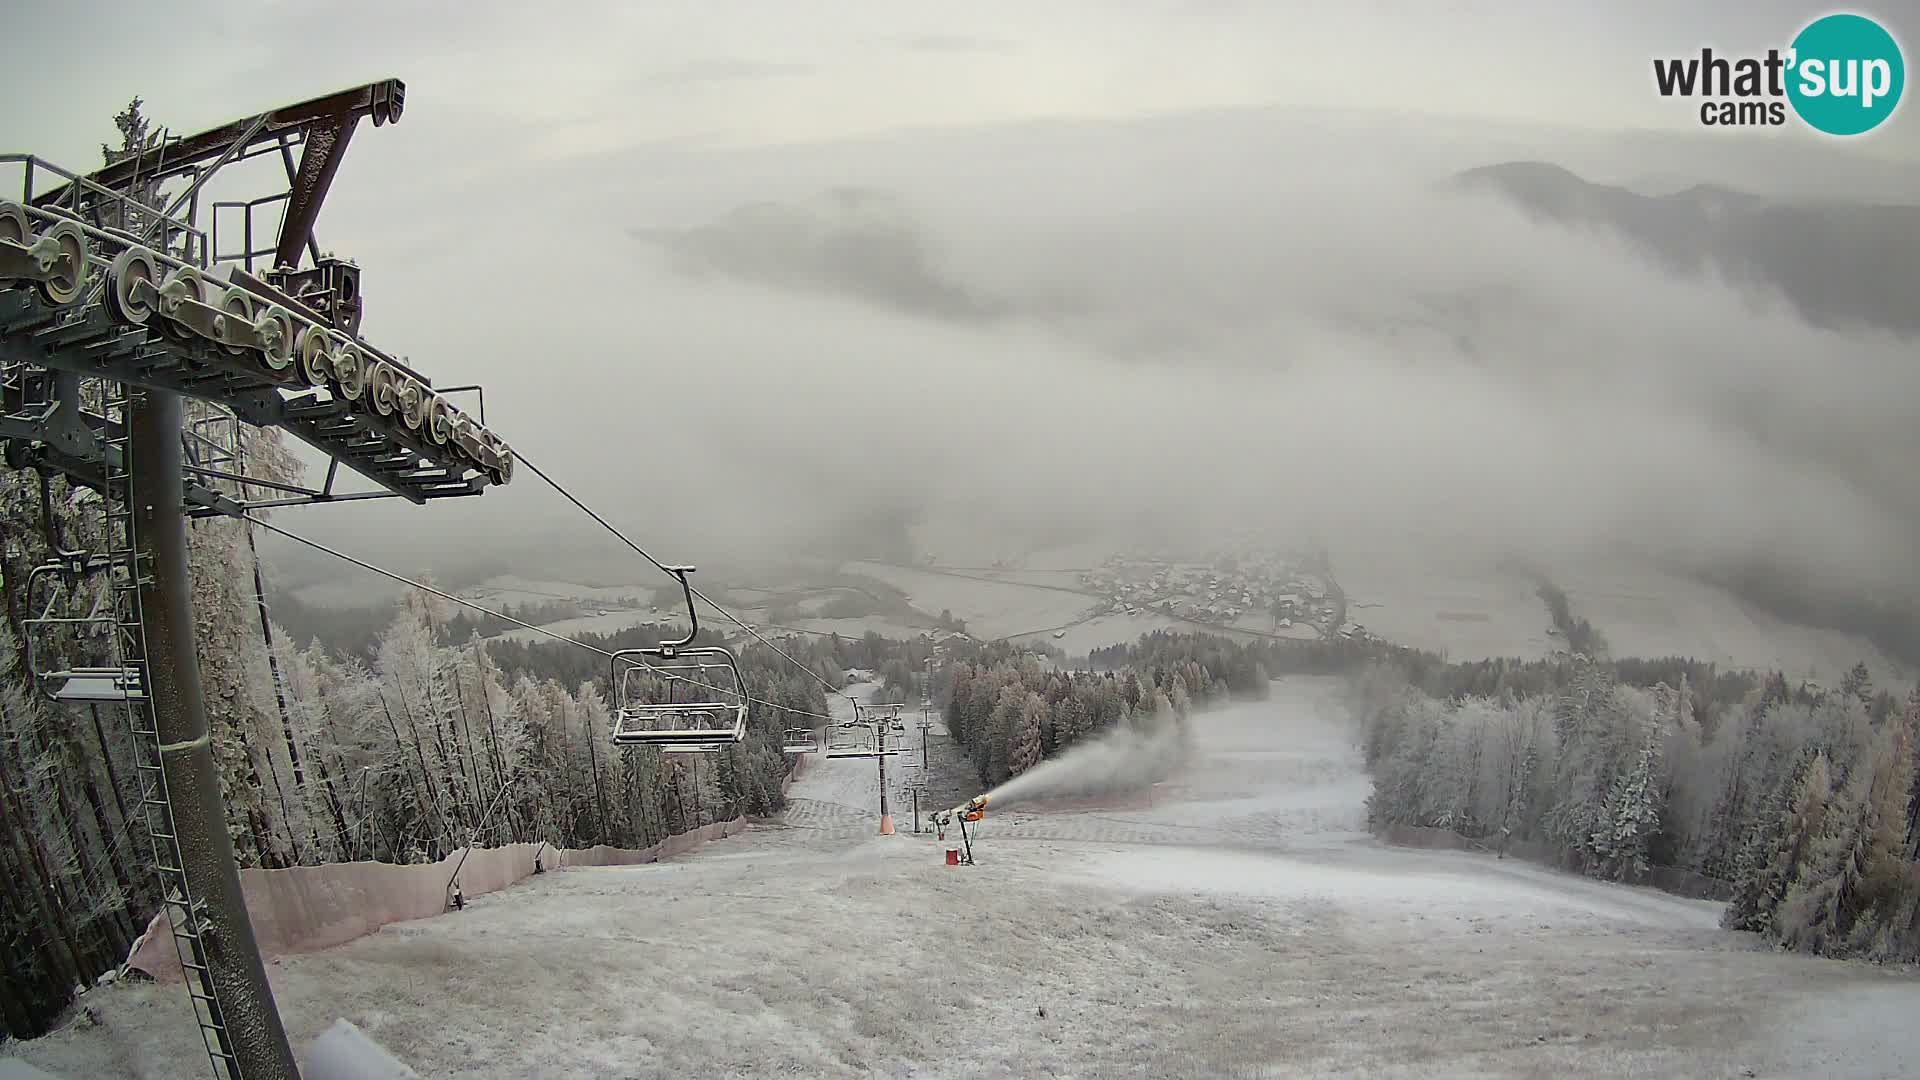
1236,923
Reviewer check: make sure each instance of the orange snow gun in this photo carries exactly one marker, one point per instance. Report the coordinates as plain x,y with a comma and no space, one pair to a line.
973,810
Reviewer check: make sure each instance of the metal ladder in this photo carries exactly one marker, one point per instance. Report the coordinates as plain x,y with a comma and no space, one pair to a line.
184,911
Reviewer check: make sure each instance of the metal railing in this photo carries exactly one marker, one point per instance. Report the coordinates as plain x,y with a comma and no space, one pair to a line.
194,247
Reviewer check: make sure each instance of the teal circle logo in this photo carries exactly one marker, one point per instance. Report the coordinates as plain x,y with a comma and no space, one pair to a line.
1847,74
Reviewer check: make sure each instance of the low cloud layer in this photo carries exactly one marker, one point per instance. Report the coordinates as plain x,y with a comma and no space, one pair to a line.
1353,353
1154,330
848,242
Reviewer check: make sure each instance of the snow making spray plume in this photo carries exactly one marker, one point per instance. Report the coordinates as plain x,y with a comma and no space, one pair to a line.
1124,759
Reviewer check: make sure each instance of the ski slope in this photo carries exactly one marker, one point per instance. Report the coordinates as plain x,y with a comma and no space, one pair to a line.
1237,924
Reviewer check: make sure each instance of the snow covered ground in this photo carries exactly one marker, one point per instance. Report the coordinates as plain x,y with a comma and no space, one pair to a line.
991,609
1239,925
1469,611
1654,614
853,628
513,589
1103,630
611,623
1466,611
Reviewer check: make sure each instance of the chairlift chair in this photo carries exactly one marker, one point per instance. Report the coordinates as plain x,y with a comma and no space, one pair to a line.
865,744
73,684
862,744
705,704
799,741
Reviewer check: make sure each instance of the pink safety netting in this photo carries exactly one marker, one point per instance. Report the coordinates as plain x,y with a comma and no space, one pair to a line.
307,908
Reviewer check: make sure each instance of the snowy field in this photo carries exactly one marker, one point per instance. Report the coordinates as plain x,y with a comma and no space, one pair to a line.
1467,612
1078,556
853,628
1103,630
610,623
1652,614
1052,579
1239,925
520,590
991,609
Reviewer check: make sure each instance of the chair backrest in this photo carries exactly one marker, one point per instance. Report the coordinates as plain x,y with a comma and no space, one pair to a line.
706,700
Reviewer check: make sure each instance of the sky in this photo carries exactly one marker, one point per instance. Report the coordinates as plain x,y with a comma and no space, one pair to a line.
594,75
739,270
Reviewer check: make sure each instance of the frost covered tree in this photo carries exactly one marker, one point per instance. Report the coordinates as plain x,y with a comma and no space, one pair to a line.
1001,725
987,702
1520,729
1072,720
1589,739
1858,684
1025,744
1780,853
1632,814
1802,806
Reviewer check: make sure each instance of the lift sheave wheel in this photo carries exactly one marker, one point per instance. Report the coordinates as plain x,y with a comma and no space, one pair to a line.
502,473
440,417
381,384
64,256
276,333
236,320
413,404
315,351
132,287
350,371
181,285
13,225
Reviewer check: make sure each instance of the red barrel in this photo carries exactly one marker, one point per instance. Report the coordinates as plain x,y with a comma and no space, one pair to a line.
953,856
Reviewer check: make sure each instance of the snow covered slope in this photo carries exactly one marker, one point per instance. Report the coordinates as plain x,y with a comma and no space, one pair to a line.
1241,925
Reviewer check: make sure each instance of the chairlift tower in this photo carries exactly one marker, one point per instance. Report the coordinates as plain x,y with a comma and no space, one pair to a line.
926,717
871,723
114,312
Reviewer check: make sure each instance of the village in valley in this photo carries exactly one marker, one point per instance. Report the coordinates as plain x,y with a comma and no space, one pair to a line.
1242,589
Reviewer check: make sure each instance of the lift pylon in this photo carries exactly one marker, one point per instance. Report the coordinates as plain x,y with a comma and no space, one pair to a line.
113,312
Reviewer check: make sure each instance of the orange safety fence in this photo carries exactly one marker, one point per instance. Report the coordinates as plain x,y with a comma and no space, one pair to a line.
305,909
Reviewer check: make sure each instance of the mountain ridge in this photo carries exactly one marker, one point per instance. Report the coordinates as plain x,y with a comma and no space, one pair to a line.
1842,265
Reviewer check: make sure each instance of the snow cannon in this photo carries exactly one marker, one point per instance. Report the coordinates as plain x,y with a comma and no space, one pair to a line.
972,810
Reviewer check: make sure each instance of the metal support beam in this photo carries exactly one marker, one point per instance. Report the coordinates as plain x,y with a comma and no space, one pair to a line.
259,1040
381,100
319,159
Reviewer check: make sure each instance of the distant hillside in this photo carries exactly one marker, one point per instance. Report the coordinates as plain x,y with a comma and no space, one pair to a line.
1842,265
